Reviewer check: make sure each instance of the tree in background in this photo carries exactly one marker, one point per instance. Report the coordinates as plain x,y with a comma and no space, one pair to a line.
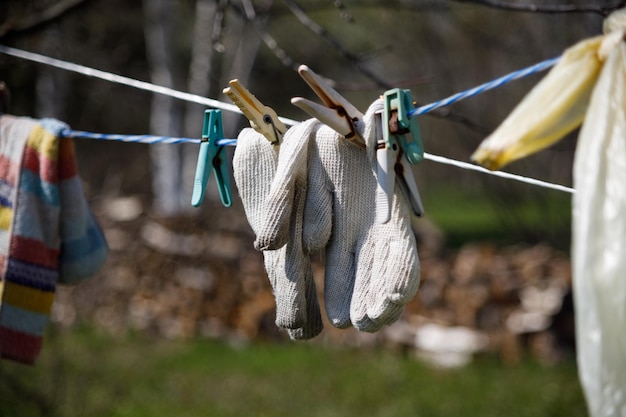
211,65
435,48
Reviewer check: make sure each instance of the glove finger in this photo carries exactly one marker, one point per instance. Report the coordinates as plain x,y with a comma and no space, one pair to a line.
361,295
254,166
338,285
395,268
254,163
313,325
291,173
318,209
397,261
350,185
297,266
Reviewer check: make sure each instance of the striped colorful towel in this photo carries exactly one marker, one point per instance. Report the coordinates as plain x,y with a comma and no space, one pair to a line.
48,234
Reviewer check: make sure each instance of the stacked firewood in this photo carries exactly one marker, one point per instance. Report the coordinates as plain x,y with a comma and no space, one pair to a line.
514,300
199,276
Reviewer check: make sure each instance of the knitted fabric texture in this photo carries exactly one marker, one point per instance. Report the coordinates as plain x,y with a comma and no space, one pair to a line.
288,268
47,232
372,270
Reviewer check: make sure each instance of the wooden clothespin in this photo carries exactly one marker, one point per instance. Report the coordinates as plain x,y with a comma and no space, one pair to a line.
395,148
263,119
400,144
211,156
337,112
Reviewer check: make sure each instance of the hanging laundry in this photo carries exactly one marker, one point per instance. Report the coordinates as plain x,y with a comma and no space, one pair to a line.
48,234
254,165
588,86
289,267
372,268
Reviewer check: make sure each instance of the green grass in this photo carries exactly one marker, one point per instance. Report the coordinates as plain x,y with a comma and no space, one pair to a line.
86,373
466,217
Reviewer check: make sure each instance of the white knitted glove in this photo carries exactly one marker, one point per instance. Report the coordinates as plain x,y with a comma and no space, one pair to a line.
372,270
288,268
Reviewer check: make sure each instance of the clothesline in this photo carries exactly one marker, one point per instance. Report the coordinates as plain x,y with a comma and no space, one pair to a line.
127,81
150,139
498,82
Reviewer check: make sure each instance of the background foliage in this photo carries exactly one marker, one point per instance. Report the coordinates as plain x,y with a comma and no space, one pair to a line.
433,47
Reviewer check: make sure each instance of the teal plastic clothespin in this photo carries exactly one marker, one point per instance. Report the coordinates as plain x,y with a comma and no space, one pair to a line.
398,102
211,155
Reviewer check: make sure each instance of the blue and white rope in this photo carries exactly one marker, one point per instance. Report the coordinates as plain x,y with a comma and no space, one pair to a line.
119,79
146,139
485,87
149,139
92,72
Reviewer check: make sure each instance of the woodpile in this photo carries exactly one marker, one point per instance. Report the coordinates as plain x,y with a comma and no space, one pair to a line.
515,298
199,276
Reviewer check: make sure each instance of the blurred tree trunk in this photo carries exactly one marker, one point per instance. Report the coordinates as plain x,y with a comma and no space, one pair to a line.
159,27
249,27
208,15
174,165
51,84
214,61
249,40
205,47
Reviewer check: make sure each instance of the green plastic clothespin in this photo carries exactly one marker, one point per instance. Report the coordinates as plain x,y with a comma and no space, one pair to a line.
211,155
398,102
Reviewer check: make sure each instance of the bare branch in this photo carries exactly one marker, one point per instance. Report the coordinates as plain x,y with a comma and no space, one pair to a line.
279,52
409,6
354,59
45,16
316,28
543,8
267,39
370,86
446,113
218,26
289,62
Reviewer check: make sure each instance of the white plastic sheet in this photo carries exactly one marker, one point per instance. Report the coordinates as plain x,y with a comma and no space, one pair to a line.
590,81
599,244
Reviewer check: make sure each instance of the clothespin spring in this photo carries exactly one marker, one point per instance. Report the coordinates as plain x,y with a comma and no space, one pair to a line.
263,119
268,120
